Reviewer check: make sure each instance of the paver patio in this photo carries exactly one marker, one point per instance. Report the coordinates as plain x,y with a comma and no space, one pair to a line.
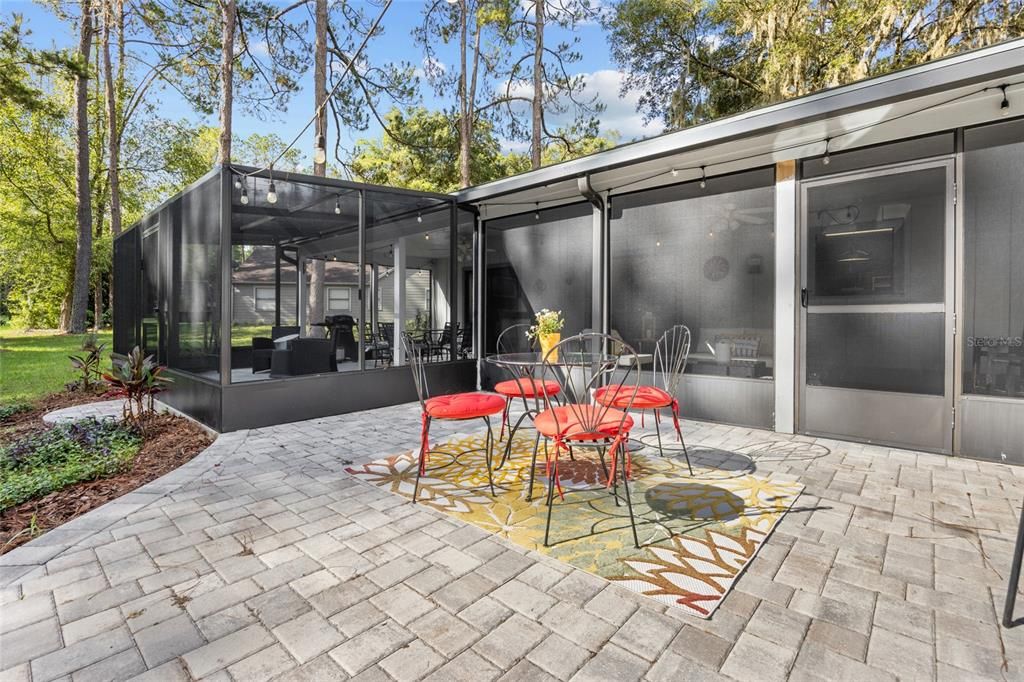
262,559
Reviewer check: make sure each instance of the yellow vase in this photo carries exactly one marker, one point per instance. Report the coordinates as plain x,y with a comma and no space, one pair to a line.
547,342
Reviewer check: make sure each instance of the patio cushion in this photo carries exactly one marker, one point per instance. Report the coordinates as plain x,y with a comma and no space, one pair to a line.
527,388
464,405
567,419
647,397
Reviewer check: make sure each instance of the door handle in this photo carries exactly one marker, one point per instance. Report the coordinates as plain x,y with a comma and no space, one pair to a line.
803,298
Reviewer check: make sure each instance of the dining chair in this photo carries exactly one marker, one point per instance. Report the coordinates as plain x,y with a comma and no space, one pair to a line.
451,407
580,365
670,356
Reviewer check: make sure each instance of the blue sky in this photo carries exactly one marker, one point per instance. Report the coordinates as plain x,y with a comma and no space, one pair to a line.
397,44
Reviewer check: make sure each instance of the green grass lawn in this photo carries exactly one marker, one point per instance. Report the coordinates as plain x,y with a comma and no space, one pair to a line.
35,364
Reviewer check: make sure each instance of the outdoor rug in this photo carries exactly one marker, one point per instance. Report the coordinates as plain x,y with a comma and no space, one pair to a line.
697,534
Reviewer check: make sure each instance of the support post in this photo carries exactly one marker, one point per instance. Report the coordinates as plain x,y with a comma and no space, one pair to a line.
226,287
300,292
1011,586
398,352
361,280
787,291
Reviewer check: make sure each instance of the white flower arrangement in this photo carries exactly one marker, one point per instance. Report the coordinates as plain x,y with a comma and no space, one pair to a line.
547,322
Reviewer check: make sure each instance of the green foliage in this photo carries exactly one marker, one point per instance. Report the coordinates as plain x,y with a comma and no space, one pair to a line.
66,454
138,379
8,411
87,364
423,151
696,60
35,365
19,63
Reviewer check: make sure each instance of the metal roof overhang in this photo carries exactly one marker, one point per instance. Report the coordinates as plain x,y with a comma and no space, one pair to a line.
956,91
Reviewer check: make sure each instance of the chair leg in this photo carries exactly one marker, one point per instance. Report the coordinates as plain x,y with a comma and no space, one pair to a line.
629,503
504,419
511,435
551,502
424,439
533,467
679,432
487,454
657,429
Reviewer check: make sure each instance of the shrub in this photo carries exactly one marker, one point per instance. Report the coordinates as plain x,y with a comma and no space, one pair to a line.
8,411
87,364
66,454
137,379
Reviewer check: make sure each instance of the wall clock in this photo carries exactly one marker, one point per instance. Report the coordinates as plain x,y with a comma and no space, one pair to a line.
716,268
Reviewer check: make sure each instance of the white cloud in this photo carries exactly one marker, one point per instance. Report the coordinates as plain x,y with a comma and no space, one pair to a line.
620,112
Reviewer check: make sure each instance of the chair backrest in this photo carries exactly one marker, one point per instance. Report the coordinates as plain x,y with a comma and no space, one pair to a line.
670,356
414,358
582,364
387,331
513,339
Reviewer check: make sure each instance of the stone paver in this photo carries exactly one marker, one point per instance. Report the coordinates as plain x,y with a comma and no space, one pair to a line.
262,559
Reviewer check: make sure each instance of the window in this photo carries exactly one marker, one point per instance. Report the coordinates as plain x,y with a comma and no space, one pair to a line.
264,299
339,298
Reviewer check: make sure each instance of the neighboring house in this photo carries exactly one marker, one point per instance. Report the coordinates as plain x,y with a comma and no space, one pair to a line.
254,297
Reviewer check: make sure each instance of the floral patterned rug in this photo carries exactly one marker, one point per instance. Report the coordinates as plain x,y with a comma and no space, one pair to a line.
697,533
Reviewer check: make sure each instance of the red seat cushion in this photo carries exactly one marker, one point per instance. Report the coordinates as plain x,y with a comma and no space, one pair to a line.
527,388
464,405
647,397
577,422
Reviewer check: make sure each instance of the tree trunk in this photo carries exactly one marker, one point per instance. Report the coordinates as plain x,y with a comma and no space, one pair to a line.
227,71
315,307
113,116
538,84
465,105
83,249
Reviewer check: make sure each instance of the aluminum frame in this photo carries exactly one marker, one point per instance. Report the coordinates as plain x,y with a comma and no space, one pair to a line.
883,415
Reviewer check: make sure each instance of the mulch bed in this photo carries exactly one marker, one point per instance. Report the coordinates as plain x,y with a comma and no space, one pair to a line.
168,443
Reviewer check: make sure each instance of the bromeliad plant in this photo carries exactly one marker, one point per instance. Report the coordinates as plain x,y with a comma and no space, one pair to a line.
87,364
137,379
546,322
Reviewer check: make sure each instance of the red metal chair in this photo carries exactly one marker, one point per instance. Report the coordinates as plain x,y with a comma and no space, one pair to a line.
586,362
524,386
452,407
670,356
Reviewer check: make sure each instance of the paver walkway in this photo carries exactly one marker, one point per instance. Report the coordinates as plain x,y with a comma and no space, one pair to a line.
261,559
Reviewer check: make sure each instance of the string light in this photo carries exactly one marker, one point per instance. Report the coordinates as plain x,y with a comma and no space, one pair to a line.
271,190
320,153
826,160
238,182
337,206
245,197
703,178
427,236
419,216
536,211
1004,106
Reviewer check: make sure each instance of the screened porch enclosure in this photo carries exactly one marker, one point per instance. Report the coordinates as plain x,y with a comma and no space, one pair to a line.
295,295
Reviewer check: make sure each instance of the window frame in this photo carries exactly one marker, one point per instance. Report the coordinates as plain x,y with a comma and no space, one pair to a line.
256,299
339,289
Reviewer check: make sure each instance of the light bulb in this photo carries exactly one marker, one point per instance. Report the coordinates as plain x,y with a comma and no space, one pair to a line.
1004,106
337,207
271,194
536,212
320,153
245,197
238,182
419,217
427,237
675,172
826,160
657,243
703,183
